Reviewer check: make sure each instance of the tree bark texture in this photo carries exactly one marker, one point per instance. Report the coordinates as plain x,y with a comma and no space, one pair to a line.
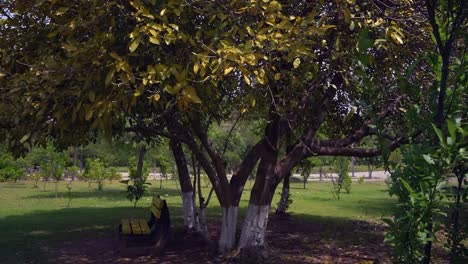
283,203
185,183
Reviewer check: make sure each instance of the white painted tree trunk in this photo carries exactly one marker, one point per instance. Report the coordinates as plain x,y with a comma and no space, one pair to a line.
255,225
202,226
228,229
188,206
283,202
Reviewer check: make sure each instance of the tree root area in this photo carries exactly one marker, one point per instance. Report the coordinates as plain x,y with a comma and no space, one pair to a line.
305,239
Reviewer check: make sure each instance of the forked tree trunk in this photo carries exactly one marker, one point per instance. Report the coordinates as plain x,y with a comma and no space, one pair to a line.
255,225
283,203
228,228
256,220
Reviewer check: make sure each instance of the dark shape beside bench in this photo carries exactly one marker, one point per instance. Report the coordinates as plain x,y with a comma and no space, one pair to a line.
141,237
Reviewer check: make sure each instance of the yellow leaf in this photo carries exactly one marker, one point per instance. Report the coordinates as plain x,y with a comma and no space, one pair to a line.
61,11
250,31
114,55
163,12
196,67
396,37
134,44
296,63
277,76
154,40
153,32
156,97
247,79
253,102
228,70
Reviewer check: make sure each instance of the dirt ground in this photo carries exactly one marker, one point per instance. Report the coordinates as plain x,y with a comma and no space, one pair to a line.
289,241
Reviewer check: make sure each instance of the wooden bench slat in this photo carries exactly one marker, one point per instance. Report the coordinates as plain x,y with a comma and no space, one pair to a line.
126,228
156,211
158,202
145,230
136,227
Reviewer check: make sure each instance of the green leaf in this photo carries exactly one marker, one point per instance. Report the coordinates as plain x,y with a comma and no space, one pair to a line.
407,186
450,141
439,135
364,41
428,159
24,138
452,129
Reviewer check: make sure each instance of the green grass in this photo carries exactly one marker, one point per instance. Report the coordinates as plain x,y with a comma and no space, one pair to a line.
33,221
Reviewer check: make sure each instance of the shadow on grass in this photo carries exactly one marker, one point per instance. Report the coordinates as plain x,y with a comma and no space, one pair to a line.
34,237
27,238
111,194
13,185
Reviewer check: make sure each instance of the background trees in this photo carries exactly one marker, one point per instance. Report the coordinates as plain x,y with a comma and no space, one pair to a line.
10,170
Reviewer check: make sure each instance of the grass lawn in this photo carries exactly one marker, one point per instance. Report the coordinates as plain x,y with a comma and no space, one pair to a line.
33,221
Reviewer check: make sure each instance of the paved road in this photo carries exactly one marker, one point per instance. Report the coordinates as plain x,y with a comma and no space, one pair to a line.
376,176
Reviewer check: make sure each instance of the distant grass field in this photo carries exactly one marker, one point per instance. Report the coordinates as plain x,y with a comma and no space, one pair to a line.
32,221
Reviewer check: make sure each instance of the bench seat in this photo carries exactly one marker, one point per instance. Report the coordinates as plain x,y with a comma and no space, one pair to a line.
135,227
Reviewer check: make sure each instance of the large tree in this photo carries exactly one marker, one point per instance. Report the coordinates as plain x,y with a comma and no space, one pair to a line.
173,68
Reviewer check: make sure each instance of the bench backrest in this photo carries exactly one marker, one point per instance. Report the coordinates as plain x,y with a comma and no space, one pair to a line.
157,206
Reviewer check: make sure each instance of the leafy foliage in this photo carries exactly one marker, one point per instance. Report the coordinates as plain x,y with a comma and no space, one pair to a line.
10,169
97,171
344,180
136,184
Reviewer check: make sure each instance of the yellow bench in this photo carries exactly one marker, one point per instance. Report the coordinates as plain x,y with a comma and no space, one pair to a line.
141,226
142,236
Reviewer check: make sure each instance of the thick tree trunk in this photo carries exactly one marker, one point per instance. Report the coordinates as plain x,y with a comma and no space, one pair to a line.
255,225
188,207
283,203
228,228
185,183
202,226
266,181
